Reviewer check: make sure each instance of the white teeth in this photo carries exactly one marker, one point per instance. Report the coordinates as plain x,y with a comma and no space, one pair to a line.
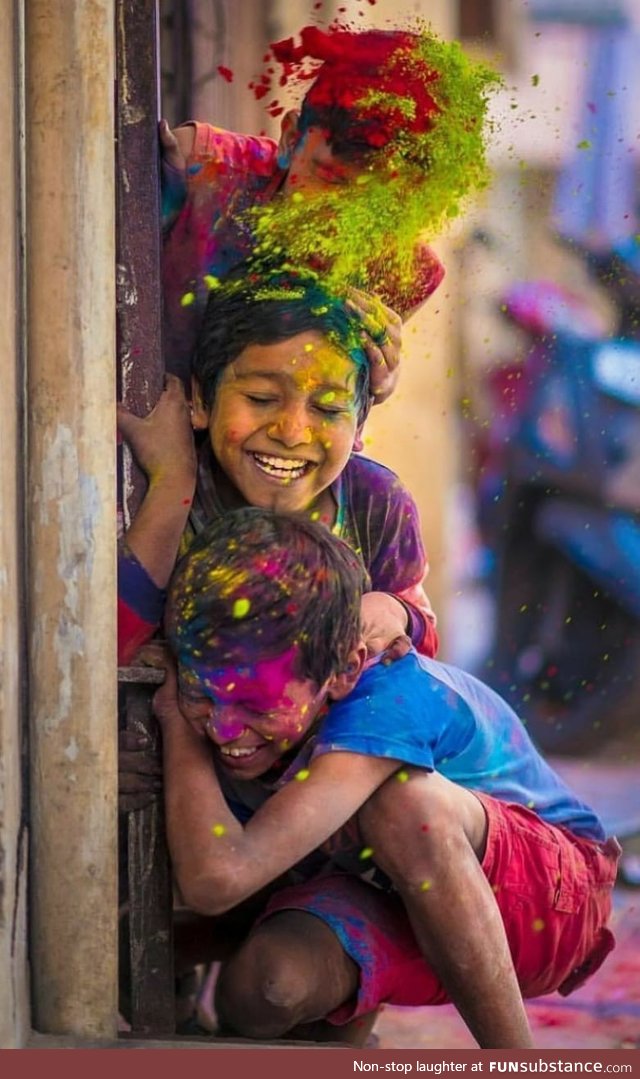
280,462
281,467
228,751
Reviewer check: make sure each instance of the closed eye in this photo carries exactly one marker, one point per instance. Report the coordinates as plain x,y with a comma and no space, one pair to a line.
334,410
256,400
257,713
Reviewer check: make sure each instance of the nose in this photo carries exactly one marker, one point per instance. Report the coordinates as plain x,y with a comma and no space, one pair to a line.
222,729
292,428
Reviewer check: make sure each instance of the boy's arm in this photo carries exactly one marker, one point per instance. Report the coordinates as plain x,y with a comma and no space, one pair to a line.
421,627
409,297
398,562
162,444
176,149
218,862
384,618
140,606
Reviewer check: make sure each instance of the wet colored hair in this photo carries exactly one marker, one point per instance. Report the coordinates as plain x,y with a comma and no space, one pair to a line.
262,309
255,584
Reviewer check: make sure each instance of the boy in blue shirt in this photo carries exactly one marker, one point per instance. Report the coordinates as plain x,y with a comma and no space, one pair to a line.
435,855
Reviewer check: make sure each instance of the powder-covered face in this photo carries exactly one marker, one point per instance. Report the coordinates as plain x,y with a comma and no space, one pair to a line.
314,167
284,420
253,714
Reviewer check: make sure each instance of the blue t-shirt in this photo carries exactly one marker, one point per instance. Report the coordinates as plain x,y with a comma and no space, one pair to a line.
425,713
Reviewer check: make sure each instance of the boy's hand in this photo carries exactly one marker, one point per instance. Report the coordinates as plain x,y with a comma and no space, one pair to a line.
166,707
162,442
154,653
172,153
174,171
139,772
139,762
383,624
382,339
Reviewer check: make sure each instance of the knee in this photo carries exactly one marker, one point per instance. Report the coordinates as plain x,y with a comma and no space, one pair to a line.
260,993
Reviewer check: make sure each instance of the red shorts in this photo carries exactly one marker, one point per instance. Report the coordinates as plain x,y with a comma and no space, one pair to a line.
553,890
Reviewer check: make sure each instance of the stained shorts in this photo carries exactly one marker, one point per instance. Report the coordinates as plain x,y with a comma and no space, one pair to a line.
553,890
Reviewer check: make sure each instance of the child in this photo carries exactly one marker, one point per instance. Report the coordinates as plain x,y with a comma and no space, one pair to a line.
281,387
500,878
388,142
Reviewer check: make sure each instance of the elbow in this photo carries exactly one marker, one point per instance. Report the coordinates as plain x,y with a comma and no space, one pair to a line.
210,896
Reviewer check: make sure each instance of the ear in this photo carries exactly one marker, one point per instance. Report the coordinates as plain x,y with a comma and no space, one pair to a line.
289,136
199,413
340,685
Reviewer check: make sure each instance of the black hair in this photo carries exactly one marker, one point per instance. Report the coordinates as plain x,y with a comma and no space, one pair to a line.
263,309
254,584
347,135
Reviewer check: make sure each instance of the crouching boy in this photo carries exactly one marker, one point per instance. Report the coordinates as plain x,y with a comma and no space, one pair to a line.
437,856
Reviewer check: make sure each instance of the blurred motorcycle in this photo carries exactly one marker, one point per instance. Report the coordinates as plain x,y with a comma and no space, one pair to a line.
560,506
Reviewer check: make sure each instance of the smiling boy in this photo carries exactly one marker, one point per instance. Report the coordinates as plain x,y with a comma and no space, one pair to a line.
281,388
282,751
282,422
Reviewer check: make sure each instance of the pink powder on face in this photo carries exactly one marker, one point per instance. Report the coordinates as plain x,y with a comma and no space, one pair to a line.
263,685
269,698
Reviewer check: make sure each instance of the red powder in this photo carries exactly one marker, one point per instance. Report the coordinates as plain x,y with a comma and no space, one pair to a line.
226,73
346,66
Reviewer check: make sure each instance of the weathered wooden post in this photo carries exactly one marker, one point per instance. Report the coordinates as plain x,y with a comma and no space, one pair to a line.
71,514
